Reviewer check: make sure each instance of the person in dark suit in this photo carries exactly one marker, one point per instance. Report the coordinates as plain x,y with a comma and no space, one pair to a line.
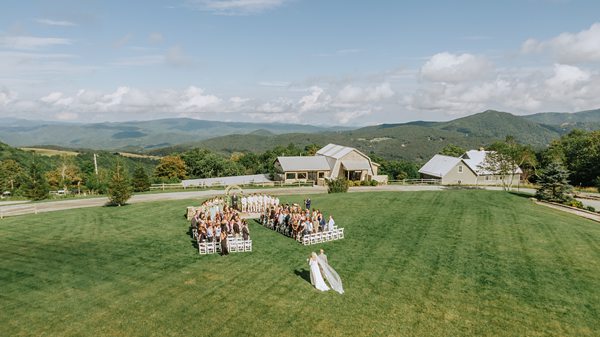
307,203
234,201
245,231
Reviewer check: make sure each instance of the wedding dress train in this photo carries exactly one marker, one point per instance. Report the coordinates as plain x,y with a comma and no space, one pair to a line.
330,275
315,276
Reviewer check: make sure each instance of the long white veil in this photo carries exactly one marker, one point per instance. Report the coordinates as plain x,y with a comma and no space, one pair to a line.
331,275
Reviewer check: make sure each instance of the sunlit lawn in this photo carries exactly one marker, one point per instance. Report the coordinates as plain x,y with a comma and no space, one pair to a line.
443,263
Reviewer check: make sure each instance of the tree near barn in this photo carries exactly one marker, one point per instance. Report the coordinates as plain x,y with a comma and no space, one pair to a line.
119,190
11,175
452,150
67,175
140,181
554,185
202,163
170,168
580,152
505,157
36,186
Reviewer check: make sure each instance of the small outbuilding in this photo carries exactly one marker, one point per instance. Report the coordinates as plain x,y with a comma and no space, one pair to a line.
467,169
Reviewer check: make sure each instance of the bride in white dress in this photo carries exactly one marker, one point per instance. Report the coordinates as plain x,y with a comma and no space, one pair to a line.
315,273
317,264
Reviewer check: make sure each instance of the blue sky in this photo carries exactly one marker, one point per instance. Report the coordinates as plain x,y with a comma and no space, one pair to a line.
301,61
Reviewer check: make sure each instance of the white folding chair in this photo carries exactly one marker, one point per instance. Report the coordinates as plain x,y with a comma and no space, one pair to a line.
210,247
232,244
317,237
335,235
327,236
240,245
313,239
202,248
305,240
341,230
248,245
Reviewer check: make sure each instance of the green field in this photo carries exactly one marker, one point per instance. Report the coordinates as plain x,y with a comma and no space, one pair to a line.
446,263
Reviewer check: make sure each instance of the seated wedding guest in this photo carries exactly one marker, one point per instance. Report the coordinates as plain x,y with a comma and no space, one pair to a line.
202,235
321,219
224,248
217,230
308,226
209,234
331,223
236,229
245,230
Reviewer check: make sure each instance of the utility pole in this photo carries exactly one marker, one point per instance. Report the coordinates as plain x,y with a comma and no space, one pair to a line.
95,165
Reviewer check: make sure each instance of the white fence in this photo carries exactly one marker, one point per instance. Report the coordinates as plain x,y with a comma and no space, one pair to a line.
20,210
219,186
416,182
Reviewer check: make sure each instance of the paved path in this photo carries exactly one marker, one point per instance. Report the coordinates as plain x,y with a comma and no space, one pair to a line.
23,207
591,216
49,206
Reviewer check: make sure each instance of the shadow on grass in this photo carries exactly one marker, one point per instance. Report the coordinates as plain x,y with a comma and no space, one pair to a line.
303,273
521,194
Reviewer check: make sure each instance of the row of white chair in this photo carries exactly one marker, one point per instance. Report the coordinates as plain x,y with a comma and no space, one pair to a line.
234,245
312,239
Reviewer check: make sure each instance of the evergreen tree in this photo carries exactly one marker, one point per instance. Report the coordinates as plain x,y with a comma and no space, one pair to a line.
140,181
36,187
553,184
119,190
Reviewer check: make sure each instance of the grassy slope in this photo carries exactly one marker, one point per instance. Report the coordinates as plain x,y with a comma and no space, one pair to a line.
423,263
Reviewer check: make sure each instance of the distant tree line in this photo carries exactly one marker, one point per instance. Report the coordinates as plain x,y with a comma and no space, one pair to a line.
23,173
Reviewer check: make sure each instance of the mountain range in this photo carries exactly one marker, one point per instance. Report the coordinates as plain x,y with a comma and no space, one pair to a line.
416,141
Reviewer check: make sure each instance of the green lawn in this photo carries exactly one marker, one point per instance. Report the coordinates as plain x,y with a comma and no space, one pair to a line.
445,263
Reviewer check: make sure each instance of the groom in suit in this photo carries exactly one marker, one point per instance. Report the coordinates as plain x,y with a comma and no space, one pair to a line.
323,256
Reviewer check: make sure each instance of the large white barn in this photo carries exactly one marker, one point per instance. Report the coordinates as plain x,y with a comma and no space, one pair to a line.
330,162
464,170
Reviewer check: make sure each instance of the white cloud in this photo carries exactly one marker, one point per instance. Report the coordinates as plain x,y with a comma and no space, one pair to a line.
194,100
235,7
344,117
60,23
570,48
66,116
447,67
355,94
316,100
31,42
521,90
177,57
6,96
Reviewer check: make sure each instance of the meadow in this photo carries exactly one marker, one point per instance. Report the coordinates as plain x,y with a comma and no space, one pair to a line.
434,263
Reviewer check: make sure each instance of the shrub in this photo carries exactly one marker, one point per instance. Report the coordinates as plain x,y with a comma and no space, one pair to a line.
574,203
339,185
590,208
374,183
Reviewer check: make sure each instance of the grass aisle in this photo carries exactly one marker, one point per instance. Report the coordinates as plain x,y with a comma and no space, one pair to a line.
444,263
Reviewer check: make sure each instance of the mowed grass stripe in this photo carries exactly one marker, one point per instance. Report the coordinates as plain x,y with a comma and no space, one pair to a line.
423,263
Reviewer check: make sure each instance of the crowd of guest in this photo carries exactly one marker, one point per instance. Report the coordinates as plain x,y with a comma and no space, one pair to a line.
294,221
215,221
